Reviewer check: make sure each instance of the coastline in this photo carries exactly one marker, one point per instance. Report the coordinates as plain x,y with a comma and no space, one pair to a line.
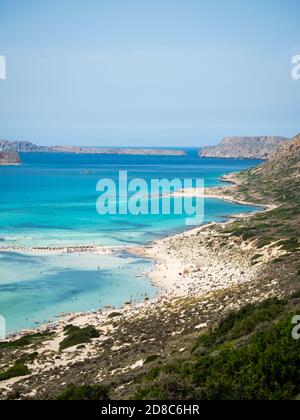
210,193
172,275
194,274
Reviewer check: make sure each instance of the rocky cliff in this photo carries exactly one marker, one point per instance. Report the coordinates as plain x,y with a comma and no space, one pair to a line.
244,147
9,158
8,153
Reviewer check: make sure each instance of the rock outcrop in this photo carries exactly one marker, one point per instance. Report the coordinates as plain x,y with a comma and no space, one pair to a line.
8,153
9,158
244,148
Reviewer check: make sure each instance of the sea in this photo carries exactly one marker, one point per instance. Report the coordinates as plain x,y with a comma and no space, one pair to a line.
50,201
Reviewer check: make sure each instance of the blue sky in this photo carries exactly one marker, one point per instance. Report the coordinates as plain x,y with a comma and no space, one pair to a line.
148,73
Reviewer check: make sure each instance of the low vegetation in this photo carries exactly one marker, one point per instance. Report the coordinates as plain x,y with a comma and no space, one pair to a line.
25,341
250,355
85,392
151,358
114,315
18,369
76,335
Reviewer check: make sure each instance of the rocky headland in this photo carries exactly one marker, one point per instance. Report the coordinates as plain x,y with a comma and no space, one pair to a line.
244,148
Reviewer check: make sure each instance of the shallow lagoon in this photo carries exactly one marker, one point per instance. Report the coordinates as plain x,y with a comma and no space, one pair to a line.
35,289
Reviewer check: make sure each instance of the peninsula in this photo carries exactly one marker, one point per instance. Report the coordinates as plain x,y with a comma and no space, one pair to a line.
28,147
244,148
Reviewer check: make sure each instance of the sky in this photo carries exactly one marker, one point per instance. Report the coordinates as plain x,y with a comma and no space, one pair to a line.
148,72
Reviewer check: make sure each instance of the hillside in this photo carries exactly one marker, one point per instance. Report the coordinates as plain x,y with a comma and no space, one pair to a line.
277,180
244,148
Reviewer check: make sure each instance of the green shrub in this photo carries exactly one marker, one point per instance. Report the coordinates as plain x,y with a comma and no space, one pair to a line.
151,359
268,368
19,369
27,340
242,323
85,393
76,335
114,315
261,243
29,357
262,366
290,245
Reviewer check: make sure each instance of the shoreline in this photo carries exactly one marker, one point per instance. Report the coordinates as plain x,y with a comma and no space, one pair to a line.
69,249
170,275
199,194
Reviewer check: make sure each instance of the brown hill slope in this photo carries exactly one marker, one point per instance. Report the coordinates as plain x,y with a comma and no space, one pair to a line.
277,180
244,147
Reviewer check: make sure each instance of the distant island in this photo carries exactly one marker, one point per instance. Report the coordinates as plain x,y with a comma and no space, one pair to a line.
244,148
27,147
8,154
9,158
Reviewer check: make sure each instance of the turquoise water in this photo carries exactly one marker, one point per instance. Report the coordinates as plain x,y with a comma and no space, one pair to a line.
39,288
51,200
